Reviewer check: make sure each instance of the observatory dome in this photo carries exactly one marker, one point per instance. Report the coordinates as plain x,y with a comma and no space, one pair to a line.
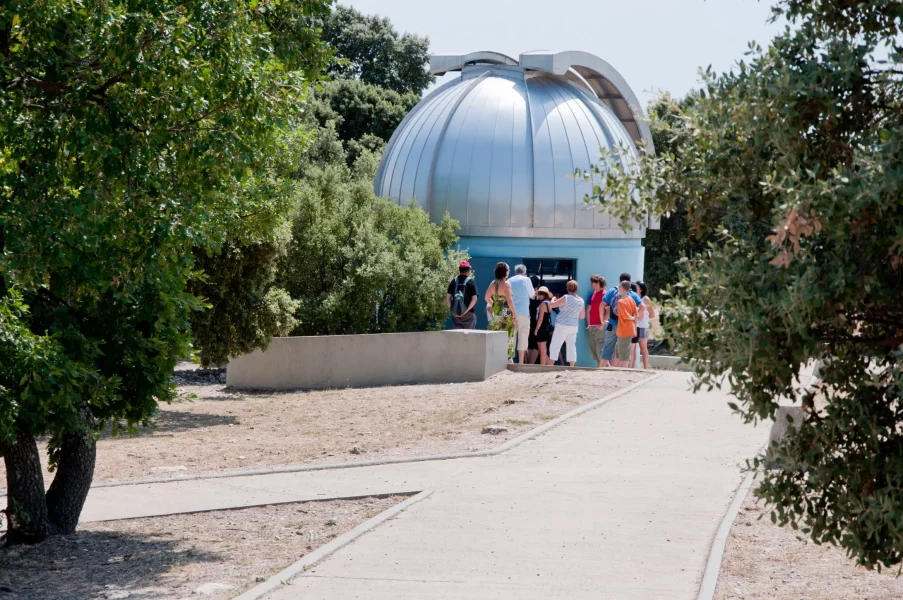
497,147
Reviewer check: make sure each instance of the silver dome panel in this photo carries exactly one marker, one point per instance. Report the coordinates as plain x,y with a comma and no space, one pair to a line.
497,149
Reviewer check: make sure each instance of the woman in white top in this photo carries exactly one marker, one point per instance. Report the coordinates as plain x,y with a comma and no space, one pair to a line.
645,312
571,310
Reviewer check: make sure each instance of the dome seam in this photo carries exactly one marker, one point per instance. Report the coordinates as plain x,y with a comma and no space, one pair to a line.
451,115
439,104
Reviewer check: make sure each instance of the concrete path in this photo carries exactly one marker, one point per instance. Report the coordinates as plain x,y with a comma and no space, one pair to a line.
621,502
157,499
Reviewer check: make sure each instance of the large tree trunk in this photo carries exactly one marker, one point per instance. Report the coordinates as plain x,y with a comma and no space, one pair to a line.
26,508
67,493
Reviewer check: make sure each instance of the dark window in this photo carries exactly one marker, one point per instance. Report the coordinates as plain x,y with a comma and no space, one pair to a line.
554,273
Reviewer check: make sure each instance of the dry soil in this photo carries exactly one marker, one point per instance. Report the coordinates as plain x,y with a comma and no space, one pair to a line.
176,557
215,428
765,562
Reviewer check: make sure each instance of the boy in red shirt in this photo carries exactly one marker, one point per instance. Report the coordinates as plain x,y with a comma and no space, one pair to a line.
595,327
627,314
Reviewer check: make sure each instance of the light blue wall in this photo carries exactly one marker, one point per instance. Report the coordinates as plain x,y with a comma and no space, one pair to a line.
608,258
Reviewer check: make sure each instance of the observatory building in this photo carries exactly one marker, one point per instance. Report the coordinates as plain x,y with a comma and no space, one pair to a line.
497,149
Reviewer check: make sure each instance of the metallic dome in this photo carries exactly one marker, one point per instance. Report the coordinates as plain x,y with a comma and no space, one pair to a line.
497,147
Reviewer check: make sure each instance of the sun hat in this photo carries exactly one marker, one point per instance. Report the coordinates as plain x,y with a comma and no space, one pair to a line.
464,263
544,290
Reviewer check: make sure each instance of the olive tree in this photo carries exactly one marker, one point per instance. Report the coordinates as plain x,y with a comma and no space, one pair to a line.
793,165
127,133
676,238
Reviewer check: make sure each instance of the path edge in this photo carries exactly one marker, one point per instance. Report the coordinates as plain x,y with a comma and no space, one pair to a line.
716,554
393,461
284,576
719,543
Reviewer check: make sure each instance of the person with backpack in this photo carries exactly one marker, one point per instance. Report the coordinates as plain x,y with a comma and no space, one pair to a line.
462,297
610,311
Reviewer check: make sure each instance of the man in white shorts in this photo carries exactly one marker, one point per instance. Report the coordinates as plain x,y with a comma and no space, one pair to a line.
521,292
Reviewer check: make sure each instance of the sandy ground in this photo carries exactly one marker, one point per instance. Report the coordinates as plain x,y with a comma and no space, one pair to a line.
172,557
765,562
226,429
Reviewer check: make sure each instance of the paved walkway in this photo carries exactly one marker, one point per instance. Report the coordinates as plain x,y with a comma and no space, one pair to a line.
621,502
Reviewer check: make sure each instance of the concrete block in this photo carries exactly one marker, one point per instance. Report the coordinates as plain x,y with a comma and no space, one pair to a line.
779,429
339,361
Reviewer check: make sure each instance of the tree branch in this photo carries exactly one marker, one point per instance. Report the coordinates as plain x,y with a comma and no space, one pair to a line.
100,91
51,87
5,35
181,128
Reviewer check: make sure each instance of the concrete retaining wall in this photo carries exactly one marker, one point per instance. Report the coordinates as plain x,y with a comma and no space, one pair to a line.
338,361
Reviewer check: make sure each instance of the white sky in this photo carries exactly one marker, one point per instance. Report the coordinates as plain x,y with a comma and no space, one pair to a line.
654,44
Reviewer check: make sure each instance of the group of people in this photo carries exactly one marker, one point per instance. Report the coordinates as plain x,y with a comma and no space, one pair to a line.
617,320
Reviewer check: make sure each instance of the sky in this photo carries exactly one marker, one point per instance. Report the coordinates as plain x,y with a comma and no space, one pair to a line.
655,44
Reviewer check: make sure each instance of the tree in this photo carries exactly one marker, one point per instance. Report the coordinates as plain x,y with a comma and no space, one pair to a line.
794,166
675,239
235,279
362,264
359,109
245,311
127,133
368,48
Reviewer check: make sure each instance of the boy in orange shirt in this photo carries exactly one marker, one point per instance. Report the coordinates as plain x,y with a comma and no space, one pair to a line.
627,314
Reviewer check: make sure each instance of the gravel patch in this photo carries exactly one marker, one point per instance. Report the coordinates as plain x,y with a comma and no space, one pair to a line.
206,555
763,561
227,429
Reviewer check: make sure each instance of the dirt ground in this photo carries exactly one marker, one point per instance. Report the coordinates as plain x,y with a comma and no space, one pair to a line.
174,557
765,562
226,429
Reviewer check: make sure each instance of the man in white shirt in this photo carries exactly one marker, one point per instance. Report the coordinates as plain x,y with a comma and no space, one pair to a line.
521,292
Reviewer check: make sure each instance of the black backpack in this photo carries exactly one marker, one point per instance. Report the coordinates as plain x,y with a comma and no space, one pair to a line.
458,305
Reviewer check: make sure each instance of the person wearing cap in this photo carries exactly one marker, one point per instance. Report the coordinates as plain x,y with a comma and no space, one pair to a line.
462,297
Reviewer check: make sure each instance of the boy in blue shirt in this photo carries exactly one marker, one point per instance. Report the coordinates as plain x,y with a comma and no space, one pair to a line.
610,308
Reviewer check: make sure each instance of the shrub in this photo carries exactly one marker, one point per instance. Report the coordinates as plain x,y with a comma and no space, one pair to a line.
358,263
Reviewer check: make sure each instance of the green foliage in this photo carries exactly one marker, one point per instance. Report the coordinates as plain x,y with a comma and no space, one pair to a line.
347,122
362,264
244,310
675,239
359,109
793,166
129,132
39,377
368,48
